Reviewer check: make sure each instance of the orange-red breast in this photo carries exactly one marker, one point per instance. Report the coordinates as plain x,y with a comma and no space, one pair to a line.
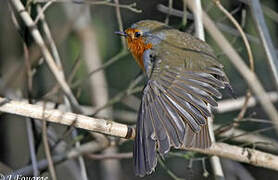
183,77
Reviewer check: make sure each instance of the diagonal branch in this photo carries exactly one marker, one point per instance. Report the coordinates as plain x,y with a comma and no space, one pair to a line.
246,155
260,23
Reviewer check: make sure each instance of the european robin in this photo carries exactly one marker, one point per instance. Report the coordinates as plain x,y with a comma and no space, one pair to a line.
183,77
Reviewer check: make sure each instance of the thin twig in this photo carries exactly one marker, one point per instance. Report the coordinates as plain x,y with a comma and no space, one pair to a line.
120,22
56,87
246,133
250,58
170,5
240,136
47,149
128,91
110,156
114,59
270,13
131,7
171,174
41,11
184,18
50,39
238,27
257,120
31,142
81,161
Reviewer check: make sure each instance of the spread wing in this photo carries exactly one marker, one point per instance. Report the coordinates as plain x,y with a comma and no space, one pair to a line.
174,107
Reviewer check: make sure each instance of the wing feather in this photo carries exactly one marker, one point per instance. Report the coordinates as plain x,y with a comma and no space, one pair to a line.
174,132
189,108
163,141
197,103
203,86
174,118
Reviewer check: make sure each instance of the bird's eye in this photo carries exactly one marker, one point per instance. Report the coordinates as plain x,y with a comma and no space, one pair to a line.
137,34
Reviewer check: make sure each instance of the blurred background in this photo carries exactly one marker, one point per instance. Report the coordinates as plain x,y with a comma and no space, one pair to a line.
83,33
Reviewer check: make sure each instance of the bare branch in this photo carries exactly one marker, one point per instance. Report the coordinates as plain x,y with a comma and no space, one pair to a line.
41,11
241,136
47,152
265,38
168,171
31,142
77,120
170,5
198,22
127,155
246,155
130,7
235,104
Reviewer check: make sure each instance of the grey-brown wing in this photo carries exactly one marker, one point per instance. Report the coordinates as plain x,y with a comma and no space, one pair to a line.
174,107
172,114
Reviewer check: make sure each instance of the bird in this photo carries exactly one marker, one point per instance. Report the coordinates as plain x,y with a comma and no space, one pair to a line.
183,80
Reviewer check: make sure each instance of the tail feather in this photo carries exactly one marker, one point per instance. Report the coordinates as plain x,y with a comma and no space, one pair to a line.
161,125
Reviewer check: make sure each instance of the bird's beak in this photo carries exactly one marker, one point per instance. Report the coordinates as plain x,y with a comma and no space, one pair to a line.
121,33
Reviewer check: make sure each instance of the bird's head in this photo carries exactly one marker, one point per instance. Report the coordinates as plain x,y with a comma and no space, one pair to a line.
138,36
